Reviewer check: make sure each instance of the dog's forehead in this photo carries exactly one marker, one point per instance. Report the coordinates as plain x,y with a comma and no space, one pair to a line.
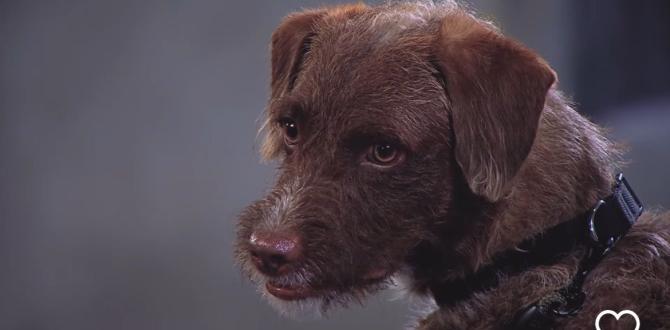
350,75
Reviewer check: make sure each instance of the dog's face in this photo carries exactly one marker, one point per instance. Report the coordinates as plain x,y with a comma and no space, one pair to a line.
372,161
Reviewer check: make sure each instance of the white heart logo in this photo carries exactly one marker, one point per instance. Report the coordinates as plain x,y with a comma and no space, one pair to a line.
617,316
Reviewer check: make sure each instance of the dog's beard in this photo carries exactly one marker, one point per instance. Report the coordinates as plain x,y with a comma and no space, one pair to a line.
326,297
303,309
326,301
321,303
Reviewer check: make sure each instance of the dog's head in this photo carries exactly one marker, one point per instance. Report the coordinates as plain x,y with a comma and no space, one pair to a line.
387,121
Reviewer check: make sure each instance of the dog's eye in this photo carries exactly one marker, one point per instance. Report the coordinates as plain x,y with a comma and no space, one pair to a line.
290,128
384,154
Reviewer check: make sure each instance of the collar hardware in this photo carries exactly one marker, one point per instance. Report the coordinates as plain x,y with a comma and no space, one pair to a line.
598,230
608,221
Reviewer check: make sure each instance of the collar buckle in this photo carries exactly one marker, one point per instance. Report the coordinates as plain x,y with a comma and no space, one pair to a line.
608,221
593,233
613,216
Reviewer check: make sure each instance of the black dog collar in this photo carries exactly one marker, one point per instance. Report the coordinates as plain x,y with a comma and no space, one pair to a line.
599,229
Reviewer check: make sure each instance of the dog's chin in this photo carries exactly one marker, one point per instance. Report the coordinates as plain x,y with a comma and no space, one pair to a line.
290,291
293,296
303,308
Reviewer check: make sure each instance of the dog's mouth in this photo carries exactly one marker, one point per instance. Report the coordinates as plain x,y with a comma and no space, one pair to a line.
289,291
293,291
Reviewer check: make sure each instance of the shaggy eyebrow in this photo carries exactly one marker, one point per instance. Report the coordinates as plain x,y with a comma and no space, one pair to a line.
381,125
286,108
362,134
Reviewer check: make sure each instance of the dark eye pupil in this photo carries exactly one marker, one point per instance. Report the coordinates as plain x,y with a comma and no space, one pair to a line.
385,151
291,129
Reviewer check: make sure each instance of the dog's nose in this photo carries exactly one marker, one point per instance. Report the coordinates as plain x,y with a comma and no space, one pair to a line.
274,253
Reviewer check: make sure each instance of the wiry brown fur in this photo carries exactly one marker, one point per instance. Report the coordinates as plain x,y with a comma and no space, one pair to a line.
493,155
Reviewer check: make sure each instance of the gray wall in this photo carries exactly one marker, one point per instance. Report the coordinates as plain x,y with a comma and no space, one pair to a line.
127,137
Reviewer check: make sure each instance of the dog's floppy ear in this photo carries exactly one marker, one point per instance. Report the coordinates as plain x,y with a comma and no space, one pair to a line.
497,91
290,42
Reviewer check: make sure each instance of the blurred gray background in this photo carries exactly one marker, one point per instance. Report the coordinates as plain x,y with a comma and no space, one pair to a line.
127,147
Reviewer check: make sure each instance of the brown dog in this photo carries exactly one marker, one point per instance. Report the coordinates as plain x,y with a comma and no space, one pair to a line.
415,139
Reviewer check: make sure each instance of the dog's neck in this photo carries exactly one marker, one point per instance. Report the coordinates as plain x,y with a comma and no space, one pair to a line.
569,168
